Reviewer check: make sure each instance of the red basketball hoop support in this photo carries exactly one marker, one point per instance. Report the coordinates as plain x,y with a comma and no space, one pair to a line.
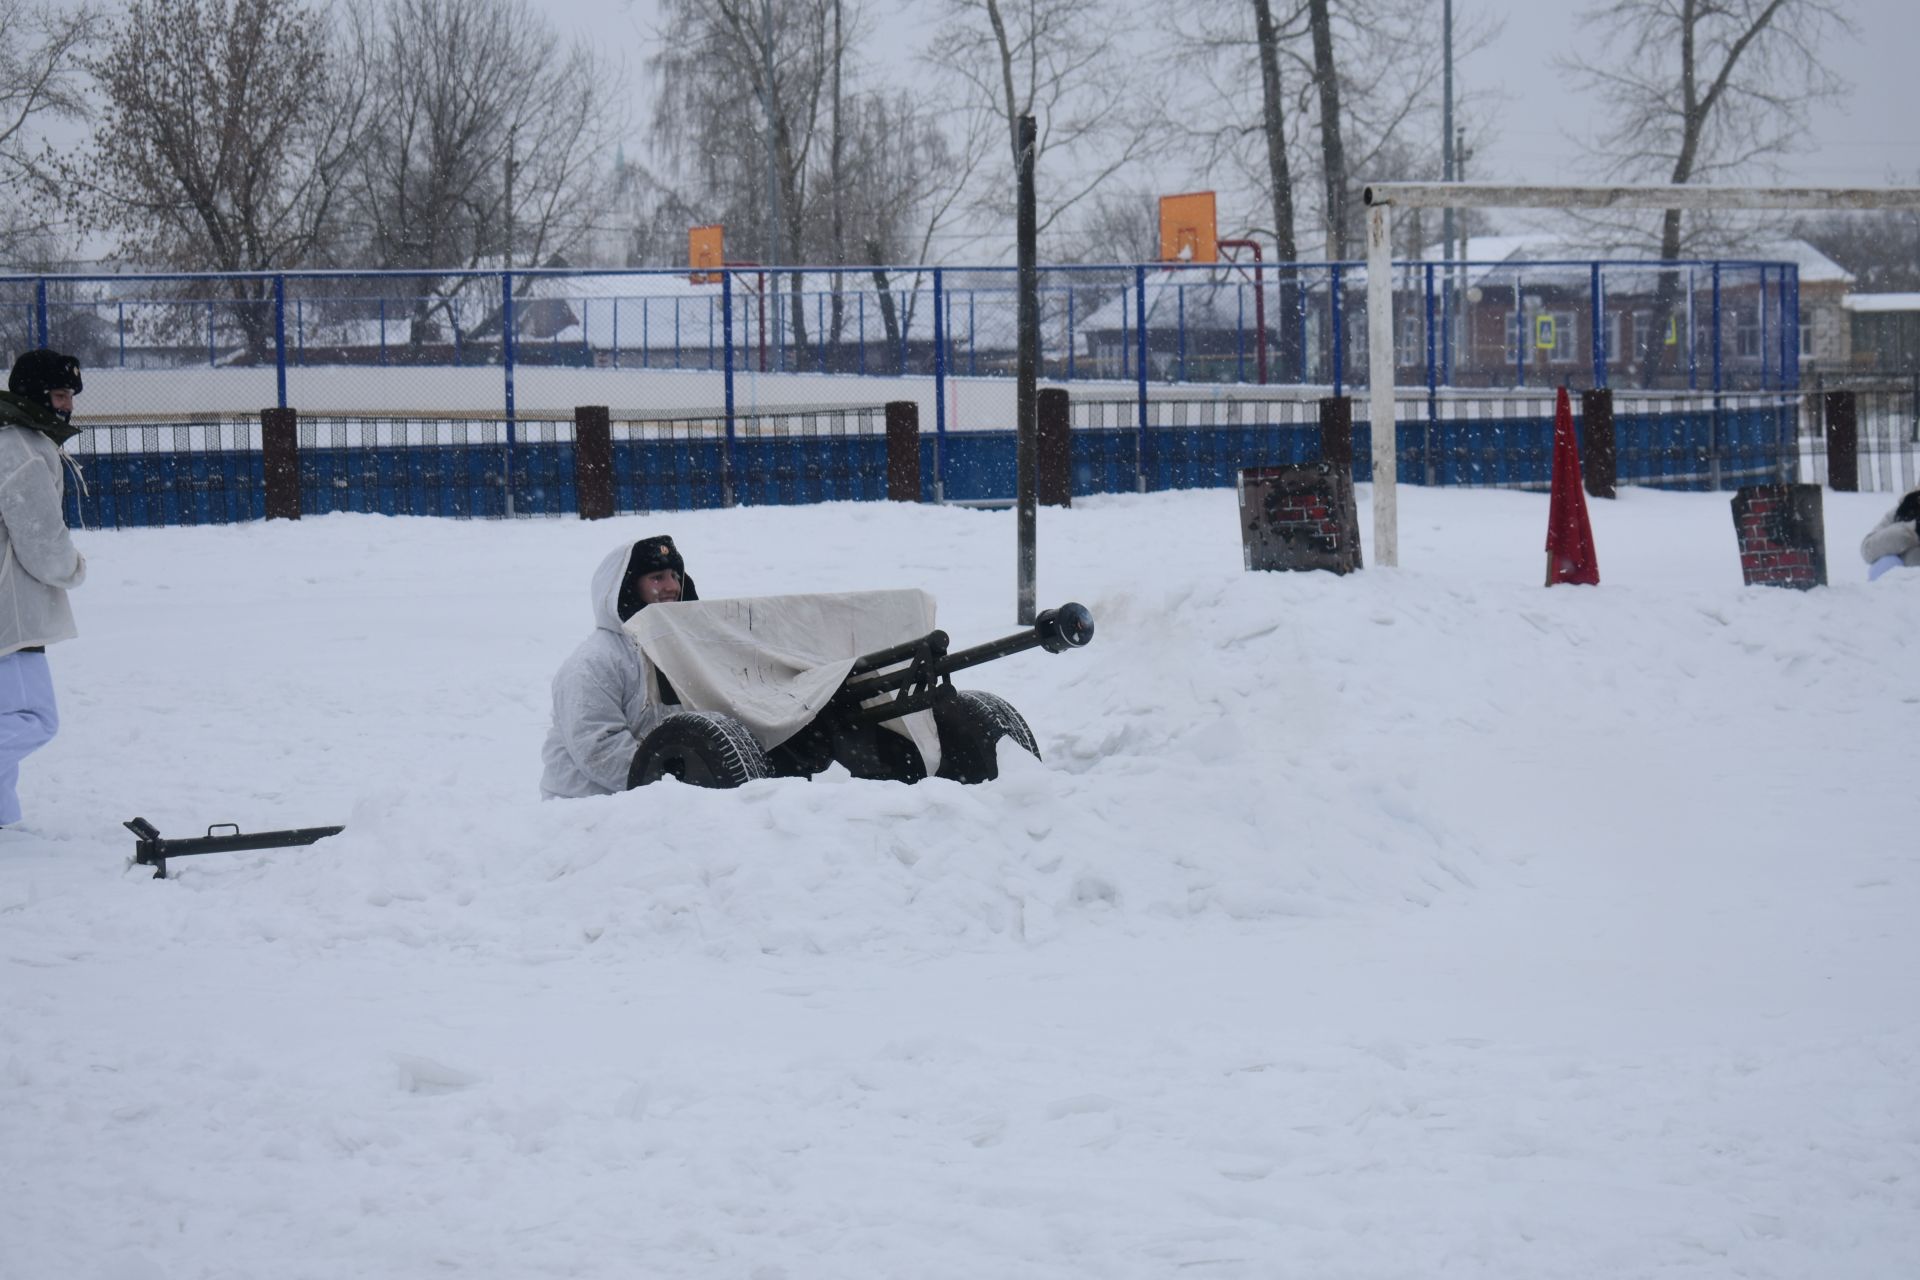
1259,298
761,295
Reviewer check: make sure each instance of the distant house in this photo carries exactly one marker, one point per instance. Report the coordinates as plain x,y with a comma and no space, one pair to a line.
373,319
1885,331
667,320
1542,288
635,320
1202,324
1520,309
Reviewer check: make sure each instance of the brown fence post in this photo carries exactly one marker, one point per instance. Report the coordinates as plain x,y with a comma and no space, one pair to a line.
592,462
280,459
1597,462
903,451
1843,442
1055,448
1336,432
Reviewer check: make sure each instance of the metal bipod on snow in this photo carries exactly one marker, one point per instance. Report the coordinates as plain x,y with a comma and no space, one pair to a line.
151,849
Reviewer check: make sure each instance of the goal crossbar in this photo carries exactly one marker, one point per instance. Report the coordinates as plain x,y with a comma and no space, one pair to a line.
1497,195
1380,199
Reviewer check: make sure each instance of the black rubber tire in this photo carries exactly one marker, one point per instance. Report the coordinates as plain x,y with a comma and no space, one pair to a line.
972,723
701,749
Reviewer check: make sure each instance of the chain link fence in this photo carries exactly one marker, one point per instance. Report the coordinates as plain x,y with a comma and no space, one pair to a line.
455,392
1885,411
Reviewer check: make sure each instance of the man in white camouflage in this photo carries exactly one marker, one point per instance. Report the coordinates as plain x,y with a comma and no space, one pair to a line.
38,561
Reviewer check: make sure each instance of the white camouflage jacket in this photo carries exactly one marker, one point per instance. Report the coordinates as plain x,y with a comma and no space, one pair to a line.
601,708
1893,536
38,561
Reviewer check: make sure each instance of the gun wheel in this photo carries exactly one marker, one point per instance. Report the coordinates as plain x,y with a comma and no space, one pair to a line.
971,725
701,749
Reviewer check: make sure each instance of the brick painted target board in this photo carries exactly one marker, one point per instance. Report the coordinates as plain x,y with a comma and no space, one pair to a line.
1299,516
1782,533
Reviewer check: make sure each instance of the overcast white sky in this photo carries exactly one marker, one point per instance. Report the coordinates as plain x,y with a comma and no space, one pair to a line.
1871,138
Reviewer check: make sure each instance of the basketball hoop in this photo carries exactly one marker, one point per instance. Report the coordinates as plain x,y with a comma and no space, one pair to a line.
706,253
1187,228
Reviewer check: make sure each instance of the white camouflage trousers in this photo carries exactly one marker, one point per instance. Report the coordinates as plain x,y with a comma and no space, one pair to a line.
28,721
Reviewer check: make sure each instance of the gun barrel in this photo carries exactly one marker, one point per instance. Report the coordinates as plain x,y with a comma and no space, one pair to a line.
1068,627
1055,630
1003,648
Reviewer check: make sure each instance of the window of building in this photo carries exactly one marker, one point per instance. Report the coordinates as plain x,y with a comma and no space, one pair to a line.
1411,345
1676,327
1548,331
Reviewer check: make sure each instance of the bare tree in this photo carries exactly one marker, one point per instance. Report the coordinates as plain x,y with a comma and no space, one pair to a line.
1258,97
227,134
897,190
763,104
1881,249
1387,69
770,67
1241,103
492,142
836,165
1063,62
1333,154
1273,130
39,83
1252,117
1702,89
1267,38
1119,226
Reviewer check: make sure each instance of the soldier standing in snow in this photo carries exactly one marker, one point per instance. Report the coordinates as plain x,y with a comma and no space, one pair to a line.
38,561
1895,541
601,708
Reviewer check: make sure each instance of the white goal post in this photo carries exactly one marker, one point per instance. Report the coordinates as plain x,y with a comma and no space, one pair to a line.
1382,197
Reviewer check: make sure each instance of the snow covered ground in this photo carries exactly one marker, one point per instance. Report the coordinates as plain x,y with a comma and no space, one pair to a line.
1421,923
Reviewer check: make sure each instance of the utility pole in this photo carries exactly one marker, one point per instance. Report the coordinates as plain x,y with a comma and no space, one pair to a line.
506,313
513,143
1026,388
1460,175
1450,300
773,175
1446,124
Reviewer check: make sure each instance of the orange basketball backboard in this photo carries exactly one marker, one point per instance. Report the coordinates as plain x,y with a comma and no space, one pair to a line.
1187,228
706,253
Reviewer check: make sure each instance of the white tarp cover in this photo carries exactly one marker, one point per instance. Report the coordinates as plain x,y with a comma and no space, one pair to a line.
772,662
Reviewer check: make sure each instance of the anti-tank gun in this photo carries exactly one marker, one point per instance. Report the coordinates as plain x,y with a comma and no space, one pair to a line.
860,724
711,748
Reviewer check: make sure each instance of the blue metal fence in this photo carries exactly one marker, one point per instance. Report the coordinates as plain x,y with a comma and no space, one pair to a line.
211,472
1508,323
1744,441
